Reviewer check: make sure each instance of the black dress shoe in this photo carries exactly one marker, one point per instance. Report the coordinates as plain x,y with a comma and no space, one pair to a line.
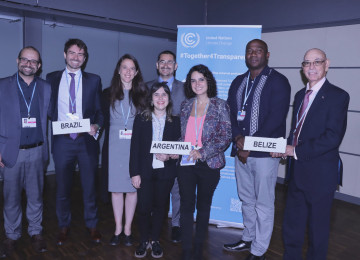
38,243
255,257
63,236
128,240
115,240
9,246
238,246
176,234
94,235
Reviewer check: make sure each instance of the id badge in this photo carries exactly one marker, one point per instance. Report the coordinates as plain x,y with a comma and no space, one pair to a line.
72,116
241,115
184,158
28,122
125,134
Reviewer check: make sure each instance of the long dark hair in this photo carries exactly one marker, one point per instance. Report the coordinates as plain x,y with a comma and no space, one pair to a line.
211,82
138,91
150,106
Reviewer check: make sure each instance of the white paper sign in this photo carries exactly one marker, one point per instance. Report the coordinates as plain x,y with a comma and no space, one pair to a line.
70,127
168,147
264,144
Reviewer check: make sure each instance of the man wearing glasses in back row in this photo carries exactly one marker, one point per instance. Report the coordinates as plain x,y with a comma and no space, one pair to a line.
24,101
166,67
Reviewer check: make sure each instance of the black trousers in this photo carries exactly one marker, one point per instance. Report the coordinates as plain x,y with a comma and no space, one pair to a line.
152,200
197,185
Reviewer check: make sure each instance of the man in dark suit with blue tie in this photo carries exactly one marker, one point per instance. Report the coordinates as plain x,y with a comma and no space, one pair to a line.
166,66
318,127
76,95
24,101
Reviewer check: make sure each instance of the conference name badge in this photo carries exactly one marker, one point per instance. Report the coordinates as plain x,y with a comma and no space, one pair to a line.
241,115
185,158
125,134
28,122
264,144
71,127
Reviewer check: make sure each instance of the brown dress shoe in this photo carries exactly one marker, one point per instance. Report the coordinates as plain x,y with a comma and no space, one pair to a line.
9,246
38,243
63,236
94,234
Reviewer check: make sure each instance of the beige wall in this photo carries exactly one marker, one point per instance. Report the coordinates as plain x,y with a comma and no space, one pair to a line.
341,44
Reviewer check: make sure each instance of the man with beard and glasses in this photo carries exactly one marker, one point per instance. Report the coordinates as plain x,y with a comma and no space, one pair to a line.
76,95
166,67
259,102
24,101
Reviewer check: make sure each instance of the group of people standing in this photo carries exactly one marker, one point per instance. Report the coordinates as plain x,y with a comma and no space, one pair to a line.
134,114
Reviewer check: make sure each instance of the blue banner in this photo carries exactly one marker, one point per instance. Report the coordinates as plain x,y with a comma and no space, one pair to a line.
222,49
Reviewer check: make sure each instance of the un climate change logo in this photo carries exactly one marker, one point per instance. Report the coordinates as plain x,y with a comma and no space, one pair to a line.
190,40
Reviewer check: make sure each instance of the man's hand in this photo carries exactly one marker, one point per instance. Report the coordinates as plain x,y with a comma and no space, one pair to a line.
136,181
243,155
2,165
289,150
239,141
93,129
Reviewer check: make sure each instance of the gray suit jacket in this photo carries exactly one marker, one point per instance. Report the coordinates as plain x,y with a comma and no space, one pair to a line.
10,120
177,94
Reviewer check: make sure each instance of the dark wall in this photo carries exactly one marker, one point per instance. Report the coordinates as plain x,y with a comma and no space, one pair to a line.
282,15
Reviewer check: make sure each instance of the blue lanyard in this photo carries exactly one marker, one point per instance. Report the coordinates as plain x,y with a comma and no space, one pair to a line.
77,89
197,130
127,118
32,96
247,94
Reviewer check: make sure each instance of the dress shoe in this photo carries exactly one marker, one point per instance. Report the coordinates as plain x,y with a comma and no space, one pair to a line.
128,240
63,236
94,234
238,246
255,257
115,240
176,234
38,243
9,246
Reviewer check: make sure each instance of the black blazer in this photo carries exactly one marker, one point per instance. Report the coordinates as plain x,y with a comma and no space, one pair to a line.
91,94
140,156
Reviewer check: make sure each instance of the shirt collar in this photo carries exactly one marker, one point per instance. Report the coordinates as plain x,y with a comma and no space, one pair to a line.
169,81
317,86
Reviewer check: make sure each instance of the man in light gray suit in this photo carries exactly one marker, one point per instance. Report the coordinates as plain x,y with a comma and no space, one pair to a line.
24,101
166,67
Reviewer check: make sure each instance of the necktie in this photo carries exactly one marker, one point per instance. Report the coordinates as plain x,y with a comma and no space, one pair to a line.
301,116
72,101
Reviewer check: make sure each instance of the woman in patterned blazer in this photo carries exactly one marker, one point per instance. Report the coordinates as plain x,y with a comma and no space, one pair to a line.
205,122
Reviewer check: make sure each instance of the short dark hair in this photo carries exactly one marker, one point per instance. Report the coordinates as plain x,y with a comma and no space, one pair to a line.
211,82
77,42
30,48
150,106
167,52
266,49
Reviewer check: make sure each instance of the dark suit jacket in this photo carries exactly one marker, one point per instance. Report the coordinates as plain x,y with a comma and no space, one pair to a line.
177,94
316,169
140,156
10,120
91,94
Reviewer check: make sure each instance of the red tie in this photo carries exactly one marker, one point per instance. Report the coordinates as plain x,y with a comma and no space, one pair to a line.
301,116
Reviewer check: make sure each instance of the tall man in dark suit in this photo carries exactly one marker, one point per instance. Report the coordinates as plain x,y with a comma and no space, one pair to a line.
76,95
24,101
318,127
166,67
259,102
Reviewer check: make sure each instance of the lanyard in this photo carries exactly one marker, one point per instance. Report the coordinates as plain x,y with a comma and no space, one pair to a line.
304,114
32,95
77,89
197,130
247,94
127,118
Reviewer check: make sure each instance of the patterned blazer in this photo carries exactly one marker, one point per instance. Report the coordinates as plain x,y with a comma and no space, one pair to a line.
216,133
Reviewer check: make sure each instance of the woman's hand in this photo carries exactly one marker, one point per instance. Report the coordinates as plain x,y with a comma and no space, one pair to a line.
195,155
174,156
136,181
162,157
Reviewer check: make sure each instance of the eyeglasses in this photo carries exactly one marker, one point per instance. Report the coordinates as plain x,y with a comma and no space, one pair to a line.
168,62
25,61
315,63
